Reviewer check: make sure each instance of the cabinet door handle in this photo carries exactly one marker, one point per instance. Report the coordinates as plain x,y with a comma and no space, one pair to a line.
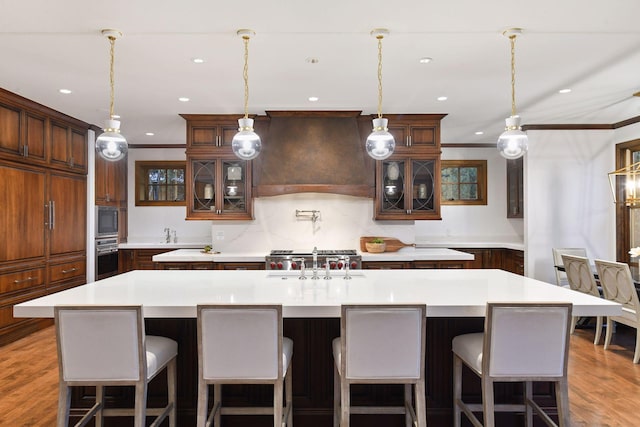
52,206
71,162
410,141
28,279
69,271
25,150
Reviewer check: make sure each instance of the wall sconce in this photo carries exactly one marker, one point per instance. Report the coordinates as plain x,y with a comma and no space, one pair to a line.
625,185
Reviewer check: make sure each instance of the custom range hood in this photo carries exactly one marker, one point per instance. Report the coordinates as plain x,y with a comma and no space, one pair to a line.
314,151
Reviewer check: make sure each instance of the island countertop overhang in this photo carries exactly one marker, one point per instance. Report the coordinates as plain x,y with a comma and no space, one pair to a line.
447,293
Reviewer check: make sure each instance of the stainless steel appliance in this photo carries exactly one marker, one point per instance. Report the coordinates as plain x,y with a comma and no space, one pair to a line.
106,257
106,221
288,259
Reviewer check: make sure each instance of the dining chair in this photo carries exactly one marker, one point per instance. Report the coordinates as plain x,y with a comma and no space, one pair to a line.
561,276
581,279
243,344
107,346
522,342
380,344
617,285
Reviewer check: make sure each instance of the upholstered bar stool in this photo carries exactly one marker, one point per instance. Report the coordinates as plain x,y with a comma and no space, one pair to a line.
107,346
380,345
523,342
581,279
243,345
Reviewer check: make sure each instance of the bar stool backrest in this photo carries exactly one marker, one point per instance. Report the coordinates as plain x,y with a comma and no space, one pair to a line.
580,275
526,340
100,343
383,342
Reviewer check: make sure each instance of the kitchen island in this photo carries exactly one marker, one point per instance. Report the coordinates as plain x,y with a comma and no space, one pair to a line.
455,304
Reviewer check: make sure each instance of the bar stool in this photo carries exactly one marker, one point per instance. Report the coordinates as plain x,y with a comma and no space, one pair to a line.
523,342
243,345
107,346
380,345
561,276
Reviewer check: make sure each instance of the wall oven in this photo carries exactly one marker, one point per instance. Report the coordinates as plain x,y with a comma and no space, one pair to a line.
106,257
106,221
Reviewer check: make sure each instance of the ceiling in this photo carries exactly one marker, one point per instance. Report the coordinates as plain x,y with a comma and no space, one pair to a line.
589,46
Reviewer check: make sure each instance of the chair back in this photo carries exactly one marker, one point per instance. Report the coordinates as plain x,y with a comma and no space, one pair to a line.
561,277
381,342
240,342
580,275
617,285
100,343
527,340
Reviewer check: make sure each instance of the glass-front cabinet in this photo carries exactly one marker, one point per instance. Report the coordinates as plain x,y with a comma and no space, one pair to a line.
408,188
220,188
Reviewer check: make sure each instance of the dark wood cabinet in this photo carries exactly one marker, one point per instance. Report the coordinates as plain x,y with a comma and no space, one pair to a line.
441,264
138,259
515,188
513,261
184,266
484,257
240,266
218,187
408,188
68,146
415,131
111,182
218,184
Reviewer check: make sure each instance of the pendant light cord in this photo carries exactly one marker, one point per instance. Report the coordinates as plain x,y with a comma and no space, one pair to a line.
245,75
112,41
379,37
512,39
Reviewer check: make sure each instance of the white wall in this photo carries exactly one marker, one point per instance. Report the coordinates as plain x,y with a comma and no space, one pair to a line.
146,223
568,201
476,222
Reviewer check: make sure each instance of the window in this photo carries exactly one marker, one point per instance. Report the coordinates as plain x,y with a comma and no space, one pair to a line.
464,182
160,183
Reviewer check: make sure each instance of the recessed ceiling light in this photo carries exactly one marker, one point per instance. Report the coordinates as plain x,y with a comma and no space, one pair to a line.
313,98
442,98
312,60
65,91
198,60
116,116
479,133
564,91
149,133
183,99
425,60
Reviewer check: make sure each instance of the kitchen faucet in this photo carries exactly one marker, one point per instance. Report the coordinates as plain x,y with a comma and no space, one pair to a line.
315,263
302,268
328,261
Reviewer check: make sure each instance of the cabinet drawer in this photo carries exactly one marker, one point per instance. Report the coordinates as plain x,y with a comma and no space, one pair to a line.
67,270
6,310
21,280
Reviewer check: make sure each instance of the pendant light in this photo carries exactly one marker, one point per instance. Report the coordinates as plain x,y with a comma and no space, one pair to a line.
246,143
380,143
512,143
111,145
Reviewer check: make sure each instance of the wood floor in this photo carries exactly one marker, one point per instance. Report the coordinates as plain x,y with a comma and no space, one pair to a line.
604,387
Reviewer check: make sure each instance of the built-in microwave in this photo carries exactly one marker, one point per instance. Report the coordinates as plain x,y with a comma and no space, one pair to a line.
106,221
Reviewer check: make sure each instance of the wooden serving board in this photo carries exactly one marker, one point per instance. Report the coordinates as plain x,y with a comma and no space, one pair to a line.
392,244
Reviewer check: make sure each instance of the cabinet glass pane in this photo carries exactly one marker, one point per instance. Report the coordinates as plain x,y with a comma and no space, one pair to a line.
394,185
233,173
160,183
422,182
204,177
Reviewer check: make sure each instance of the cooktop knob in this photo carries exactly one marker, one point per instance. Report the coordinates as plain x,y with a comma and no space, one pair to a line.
294,265
272,265
279,266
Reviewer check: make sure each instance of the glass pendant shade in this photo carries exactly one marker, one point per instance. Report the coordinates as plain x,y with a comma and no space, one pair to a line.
380,143
111,145
246,143
513,142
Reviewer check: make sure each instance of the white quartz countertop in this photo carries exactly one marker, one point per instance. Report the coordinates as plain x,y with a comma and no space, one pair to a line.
446,292
470,242
196,255
419,254
161,245
404,254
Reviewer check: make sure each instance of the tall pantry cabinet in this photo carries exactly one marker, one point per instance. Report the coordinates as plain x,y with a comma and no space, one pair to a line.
43,171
